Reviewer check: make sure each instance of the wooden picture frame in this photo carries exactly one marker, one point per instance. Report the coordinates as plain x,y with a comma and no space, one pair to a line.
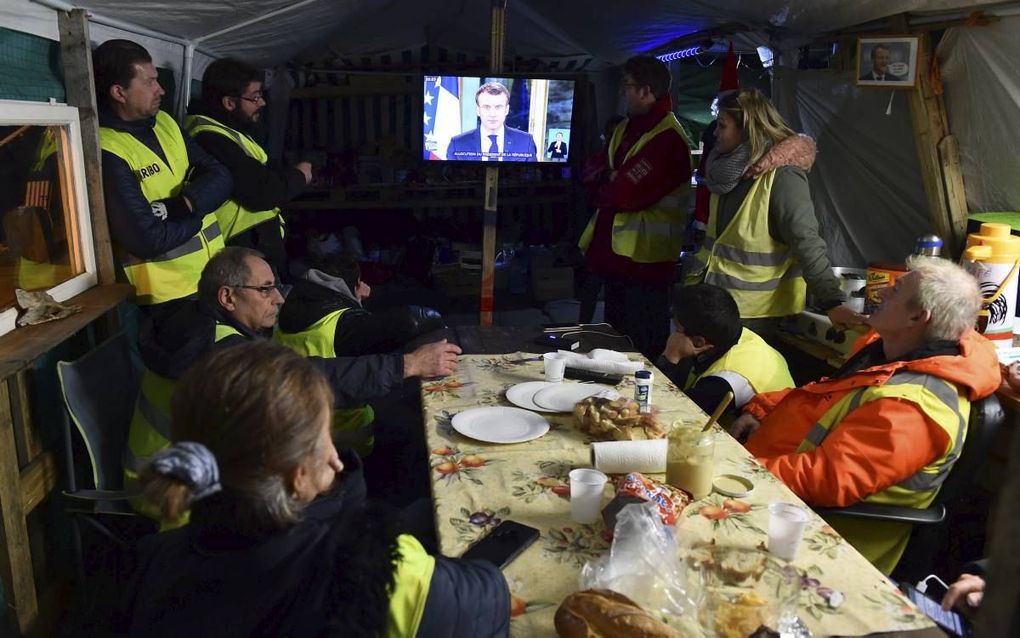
888,62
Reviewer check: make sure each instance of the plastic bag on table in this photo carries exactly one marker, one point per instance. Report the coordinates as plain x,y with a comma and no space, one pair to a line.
643,563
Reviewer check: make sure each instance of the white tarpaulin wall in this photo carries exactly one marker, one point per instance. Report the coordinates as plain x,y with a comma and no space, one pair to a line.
981,73
866,183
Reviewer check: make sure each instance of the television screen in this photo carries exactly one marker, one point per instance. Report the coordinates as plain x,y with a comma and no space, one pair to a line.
490,119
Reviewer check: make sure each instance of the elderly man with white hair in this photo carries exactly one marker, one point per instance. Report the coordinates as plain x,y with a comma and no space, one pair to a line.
888,425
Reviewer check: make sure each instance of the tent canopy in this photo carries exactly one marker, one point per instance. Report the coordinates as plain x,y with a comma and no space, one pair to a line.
271,32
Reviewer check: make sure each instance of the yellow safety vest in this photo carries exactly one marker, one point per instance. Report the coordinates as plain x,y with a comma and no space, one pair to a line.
412,577
175,273
758,271
883,543
758,362
352,427
150,431
655,234
234,218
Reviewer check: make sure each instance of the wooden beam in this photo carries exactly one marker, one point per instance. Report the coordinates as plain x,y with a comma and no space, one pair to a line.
487,302
931,127
38,480
956,196
76,55
19,579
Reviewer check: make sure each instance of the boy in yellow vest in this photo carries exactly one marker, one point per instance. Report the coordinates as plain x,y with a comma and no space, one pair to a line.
161,188
223,123
710,353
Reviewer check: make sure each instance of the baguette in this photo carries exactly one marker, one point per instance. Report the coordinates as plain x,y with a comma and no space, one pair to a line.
601,613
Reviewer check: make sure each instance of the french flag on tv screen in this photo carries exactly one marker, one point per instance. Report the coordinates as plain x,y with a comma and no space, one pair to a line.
442,114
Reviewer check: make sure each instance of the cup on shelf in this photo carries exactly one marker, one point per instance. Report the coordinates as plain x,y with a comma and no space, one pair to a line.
786,529
555,366
586,488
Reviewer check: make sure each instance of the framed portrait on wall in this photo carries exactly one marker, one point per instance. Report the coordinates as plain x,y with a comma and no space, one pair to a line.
888,62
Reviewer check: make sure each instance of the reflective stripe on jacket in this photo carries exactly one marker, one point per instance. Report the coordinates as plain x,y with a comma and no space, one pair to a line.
175,273
352,427
757,270
758,362
654,234
234,217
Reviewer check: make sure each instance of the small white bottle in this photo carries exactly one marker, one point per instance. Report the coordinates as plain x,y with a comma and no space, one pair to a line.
643,390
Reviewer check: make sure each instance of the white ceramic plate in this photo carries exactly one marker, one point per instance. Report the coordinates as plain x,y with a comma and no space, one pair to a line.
523,394
500,424
561,397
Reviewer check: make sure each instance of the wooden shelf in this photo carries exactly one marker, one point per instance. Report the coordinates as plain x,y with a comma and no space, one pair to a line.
19,348
416,197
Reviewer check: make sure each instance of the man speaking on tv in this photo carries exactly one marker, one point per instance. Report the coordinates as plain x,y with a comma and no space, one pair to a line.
492,141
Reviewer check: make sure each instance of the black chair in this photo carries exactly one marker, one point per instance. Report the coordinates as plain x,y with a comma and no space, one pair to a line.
99,391
927,538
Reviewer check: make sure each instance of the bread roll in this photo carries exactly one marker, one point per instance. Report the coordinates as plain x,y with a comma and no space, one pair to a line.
601,613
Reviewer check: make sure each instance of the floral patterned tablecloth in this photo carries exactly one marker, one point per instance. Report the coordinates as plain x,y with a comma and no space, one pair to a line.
475,485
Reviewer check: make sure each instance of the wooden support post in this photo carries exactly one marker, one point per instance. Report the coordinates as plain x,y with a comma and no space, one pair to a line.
19,580
81,93
939,157
491,180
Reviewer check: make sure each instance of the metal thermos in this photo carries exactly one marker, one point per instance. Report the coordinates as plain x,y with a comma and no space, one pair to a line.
928,245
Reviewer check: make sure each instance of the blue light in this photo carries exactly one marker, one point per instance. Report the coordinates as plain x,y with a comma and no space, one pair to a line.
682,53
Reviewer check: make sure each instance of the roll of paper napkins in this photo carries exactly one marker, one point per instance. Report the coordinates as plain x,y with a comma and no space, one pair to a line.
604,364
623,457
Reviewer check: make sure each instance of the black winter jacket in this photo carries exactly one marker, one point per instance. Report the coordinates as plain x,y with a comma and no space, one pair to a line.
172,344
133,226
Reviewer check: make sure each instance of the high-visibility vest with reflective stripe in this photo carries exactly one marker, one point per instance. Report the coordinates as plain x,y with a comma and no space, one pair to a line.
351,426
175,273
150,429
655,234
943,403
758,362
233,216
757,270
35,275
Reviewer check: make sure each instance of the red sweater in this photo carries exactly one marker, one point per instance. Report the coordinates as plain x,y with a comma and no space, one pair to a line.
656,170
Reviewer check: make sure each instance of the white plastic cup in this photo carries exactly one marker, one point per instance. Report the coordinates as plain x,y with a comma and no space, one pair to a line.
786,529
586,488
555,366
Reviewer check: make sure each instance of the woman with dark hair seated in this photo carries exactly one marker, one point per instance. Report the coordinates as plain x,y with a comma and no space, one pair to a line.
274,548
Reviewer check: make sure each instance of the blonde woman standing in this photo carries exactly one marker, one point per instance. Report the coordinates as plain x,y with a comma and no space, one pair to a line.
762,242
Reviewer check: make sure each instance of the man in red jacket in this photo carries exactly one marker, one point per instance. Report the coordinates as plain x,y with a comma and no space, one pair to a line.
887,426
634,239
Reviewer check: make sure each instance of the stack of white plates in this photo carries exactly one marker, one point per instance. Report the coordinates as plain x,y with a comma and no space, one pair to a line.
543,396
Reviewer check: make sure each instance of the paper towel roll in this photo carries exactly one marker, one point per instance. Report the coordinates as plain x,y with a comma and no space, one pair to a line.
622,457
582,362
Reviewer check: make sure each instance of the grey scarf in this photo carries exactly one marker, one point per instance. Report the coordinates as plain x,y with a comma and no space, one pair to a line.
723,171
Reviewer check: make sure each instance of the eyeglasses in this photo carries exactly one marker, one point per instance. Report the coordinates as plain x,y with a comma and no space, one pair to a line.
254,99
265,291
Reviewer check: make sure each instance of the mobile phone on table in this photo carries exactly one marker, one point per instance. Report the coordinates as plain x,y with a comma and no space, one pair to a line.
948,620
503,544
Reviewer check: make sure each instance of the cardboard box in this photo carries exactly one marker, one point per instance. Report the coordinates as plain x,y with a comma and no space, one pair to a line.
552,283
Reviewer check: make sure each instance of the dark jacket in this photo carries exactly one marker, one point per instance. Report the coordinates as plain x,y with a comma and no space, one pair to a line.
171,345
257,186
129,213
358,331
518,146
328,575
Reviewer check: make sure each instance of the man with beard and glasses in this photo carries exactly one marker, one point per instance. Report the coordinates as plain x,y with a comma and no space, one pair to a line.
223,123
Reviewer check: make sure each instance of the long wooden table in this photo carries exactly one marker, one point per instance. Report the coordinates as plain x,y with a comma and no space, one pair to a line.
475,485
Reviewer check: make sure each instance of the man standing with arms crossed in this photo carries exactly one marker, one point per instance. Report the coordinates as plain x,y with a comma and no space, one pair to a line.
160,187
634,239
223,123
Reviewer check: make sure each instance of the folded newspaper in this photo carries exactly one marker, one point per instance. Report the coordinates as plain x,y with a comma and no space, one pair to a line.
40,307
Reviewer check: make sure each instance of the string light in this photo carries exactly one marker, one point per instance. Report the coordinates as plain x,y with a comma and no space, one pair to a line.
681,53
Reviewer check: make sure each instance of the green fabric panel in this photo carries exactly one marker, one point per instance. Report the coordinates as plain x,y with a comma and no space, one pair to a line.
1011,218
31,68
